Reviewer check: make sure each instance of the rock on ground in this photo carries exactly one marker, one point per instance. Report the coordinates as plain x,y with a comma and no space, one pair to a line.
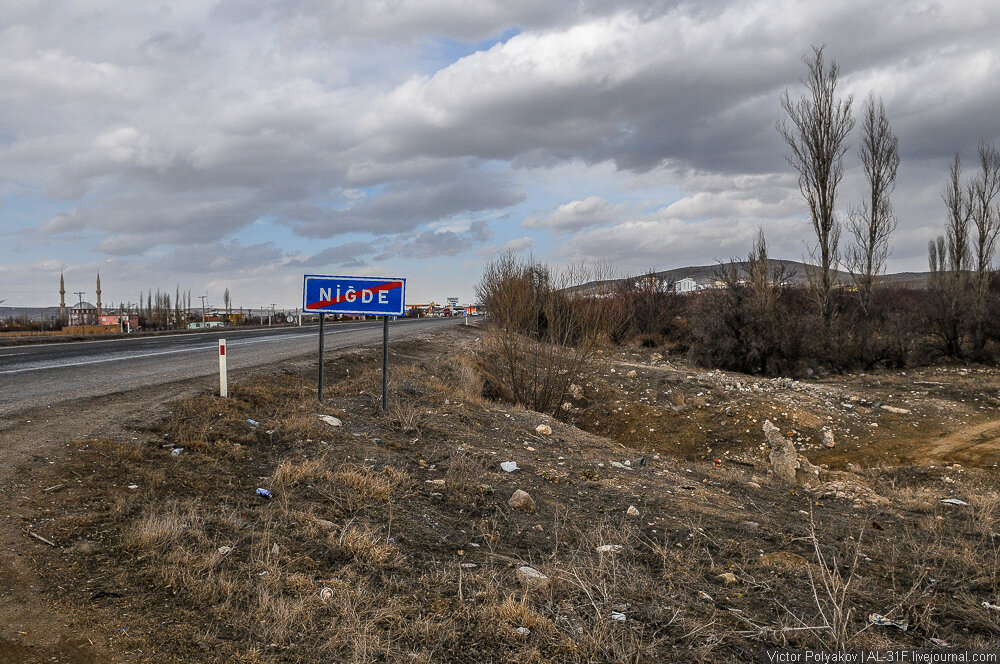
532,578
783,457
522,501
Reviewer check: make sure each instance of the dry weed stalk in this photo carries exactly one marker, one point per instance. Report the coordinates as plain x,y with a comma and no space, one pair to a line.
830,589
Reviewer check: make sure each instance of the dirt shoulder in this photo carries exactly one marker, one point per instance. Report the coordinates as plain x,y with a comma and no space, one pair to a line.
39,448
402,538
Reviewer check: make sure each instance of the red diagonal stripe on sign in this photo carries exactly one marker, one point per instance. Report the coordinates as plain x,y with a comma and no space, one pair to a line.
343,298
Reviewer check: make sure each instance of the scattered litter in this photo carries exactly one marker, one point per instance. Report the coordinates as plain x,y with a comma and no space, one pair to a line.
509,466
895,410
177,451
610,548
544,429
618,615
331,420
620,466
470,565
523,631
954,501
253,423
435,482
882,621
940,643
705,596
225,550
264,493
53,488
133,486
995,607
632,511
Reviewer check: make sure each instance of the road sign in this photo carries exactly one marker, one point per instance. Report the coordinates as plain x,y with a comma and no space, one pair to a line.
373,296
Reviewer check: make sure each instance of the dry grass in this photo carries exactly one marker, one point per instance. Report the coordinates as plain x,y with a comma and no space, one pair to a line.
358,521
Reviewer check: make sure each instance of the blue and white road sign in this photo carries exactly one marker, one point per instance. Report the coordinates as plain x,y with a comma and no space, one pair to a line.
374,296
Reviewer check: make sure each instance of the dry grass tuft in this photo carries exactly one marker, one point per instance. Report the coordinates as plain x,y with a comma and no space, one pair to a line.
364,544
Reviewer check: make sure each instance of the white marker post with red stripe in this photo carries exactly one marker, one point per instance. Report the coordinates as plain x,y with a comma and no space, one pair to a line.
223,378
371,296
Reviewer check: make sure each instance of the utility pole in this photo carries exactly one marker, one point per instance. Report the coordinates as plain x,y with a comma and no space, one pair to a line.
270,315
203,309
80,310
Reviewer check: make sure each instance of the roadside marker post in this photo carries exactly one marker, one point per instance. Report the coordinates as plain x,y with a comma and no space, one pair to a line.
223,377
372,296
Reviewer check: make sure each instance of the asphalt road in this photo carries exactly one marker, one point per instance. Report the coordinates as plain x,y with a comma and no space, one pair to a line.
46,374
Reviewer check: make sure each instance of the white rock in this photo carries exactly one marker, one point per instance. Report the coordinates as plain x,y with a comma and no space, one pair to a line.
331,420
895,410
610,548
509,466
544,429
632,511
532,578
631,374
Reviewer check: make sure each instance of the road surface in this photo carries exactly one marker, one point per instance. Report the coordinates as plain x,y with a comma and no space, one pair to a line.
45,374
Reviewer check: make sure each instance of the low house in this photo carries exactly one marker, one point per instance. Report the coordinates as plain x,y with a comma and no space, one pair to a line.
686,285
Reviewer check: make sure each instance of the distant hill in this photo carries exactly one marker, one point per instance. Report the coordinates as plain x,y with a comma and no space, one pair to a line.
705,275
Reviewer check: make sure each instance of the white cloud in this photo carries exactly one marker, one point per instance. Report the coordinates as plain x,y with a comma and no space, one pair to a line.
577,215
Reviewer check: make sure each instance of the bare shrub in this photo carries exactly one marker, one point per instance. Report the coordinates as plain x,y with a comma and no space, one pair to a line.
831,592
754,323
537,340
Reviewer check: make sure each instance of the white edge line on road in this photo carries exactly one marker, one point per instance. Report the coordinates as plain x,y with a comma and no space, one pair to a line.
217,330
235,342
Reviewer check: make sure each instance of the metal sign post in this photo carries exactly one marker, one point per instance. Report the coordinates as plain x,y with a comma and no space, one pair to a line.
385,365
319,388
371,296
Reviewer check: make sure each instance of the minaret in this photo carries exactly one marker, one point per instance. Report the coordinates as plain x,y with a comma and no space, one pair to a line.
62,300
98,295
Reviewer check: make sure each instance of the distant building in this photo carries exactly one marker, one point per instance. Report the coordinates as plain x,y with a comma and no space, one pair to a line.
128,321
83,313
686,285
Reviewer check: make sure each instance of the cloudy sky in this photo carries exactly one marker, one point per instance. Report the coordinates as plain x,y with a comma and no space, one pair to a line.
244,143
